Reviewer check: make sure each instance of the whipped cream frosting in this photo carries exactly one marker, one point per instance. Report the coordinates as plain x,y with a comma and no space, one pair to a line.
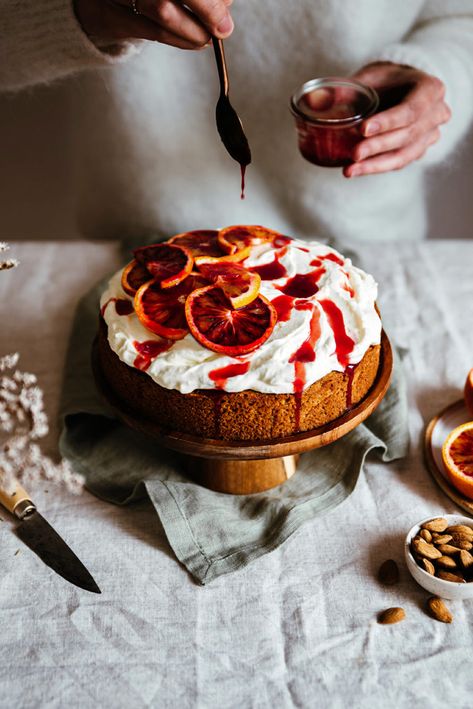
346,325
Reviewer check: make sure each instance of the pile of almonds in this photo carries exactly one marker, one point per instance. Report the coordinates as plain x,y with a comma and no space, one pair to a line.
445,551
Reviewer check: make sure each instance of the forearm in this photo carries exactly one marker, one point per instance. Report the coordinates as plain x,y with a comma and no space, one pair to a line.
42,41
442,44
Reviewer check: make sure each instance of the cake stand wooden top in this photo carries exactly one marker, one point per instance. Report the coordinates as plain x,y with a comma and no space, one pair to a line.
254,450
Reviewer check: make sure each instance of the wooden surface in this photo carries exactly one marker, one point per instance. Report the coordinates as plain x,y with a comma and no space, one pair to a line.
432,467
243,467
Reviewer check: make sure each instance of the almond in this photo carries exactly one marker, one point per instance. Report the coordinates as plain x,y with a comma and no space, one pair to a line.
461,529
425,534
448,576
391,615
446,562
447,549
421,548
466,559
438,610
462,541
428,566
388,573
439,524
442,538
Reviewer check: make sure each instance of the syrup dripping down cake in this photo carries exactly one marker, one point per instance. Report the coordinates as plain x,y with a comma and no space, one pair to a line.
239,334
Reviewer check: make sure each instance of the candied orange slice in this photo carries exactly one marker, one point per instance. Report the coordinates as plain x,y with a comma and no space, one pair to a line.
201,242
239,237
457,454
161,310
168,264
219,327
133,277
468,392
240,285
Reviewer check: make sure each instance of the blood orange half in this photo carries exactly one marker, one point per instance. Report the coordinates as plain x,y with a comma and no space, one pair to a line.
133,277
238,237
161,310
240,285
220,328
201,242
168,264
457,454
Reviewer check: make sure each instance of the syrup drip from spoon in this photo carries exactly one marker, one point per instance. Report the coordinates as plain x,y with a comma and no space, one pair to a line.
229,125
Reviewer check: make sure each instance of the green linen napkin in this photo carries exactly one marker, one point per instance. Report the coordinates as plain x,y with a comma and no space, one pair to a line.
211,533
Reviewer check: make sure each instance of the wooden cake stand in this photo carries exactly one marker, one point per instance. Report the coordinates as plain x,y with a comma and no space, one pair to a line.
244,467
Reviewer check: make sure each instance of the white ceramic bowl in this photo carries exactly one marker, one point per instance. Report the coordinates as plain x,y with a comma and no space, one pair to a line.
438,587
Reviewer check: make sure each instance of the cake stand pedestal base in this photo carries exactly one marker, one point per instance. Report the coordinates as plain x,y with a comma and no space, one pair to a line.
241,477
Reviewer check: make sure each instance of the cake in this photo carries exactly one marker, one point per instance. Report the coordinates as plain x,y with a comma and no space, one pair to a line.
239,334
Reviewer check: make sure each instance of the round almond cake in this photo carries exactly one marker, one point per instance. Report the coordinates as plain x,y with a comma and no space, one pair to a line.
239,334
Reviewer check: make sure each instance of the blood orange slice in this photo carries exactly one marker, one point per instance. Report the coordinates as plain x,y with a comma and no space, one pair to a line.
168,264
161,310
201,242
218,327
468,392
457,454
133,277
239,237
239,284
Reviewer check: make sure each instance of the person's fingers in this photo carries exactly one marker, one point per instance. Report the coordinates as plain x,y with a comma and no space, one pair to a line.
423,95
214,15
113,23
385,142
394,159
174,18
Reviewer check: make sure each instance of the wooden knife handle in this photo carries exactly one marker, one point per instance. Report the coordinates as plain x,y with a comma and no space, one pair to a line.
13,496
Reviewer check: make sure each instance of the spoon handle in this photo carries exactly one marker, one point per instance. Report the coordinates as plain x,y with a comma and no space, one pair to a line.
221,65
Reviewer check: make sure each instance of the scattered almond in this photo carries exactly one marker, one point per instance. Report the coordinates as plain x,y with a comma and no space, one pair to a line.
388,573
446,562
466,559
441,538
447,549
438,610
439,524
425,534
391,615
422,548
428,566
448,576
461,529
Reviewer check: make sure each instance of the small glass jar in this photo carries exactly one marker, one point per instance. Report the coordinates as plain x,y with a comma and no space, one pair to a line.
328,113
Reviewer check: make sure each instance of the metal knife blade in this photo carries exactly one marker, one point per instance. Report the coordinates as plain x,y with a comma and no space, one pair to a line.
41,538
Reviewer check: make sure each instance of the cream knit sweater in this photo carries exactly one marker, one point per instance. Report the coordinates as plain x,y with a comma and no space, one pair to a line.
136,149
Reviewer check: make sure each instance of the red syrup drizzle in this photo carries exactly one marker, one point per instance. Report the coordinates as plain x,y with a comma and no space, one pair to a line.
149,350
334,258
283,305
346,286
305,353
220,376
343,343
122,306
302,285
273,270
242,170
217,398
281,240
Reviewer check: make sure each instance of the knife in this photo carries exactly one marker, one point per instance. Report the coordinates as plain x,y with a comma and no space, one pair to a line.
41,538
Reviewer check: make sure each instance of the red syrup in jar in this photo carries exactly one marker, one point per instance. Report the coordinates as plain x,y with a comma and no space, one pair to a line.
122,306
350,371
343,343
305,353
220,376
303,285
149,350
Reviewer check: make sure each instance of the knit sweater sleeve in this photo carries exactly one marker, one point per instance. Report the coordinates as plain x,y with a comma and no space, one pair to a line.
441,43
41,40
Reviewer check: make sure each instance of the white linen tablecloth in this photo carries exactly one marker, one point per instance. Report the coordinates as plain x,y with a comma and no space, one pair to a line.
298,627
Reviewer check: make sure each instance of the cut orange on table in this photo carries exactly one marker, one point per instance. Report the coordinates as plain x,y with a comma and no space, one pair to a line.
133,277
220,328
468,392
201,242
236,238
162,310
168,264
457,455
239,284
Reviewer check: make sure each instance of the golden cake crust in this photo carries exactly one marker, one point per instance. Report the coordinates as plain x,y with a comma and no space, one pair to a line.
240,416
